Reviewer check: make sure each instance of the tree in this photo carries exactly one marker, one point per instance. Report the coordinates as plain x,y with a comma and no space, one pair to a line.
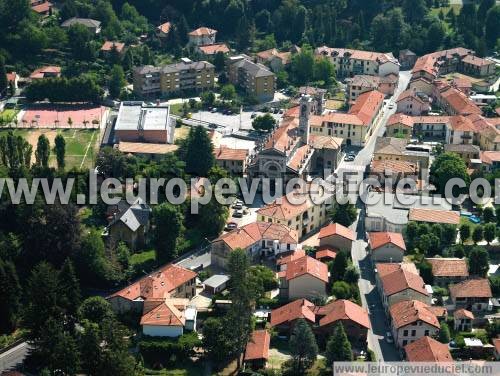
264,122
263,277
228,92
478,261
199,152
351,274
425,269
303,347
447,166
489,215
411,233
341,290
302,65
116,81
69,291
489,232
207,98
492,27
448,235
478,234
42,152
414,10
60,150
324,70
90,259
465,232
444,333
338,347
216,341
219,61
167,228
10,293
344,214
3,75
339,266
95,309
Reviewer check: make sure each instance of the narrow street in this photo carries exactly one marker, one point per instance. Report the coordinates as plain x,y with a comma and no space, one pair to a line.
370,298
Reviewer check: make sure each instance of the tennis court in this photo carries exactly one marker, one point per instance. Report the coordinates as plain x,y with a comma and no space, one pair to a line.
62,116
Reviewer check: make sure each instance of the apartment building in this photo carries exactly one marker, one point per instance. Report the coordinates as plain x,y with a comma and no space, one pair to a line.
233,160
355,125
174,78
254,78
362,83
348,63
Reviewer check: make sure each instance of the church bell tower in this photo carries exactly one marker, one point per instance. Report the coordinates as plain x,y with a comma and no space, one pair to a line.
305,112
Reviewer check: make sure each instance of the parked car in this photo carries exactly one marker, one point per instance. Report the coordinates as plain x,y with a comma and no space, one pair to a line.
238,214
213,110
254,115
238,206
212,125
349,158
389,338
231,226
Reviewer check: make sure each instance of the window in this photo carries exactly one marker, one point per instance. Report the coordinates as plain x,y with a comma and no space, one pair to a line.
405,333
405,342
426,333
413,333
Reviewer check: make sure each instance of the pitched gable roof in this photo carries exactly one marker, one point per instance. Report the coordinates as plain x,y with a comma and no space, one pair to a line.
202,31
448,267
427,349
379,239
402,279
165,314
471,288
463,314
298,309
434,216
258,346
307,265
336,229
408,312
343,310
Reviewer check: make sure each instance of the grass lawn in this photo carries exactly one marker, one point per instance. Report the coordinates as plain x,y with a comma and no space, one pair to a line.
142,257
81,144
181,133
188,368
334,104
176,109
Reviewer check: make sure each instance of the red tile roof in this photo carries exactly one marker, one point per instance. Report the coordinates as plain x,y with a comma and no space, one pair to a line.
226,154
379,239
165,314
336,229
400,118
212,49
307,265
110,45
490,156
400,280
471,288
427,349
298,309
258,346
202,31
434,216
408,312
157,284
343,310
42,8
298,253
326,252
463,314
448,267
386,165
251,233
40,72
165,27
496,343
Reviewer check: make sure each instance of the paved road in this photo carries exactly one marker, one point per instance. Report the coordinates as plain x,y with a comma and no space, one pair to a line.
14,356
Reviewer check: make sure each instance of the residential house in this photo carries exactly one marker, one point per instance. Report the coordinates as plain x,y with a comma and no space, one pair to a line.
460,130
462,320
472,294
412,103
354,126
303,216
202,36
477,66
257,350
93,26
399,125
391,148
285,317
326,253
275,59
110,47
257,239
213,49
254,78
463,84
13,77
130,224
186,75
163,30
233,160
305,277
490,160
431,128
354,319
447,270
407,59
467,152
167,317
412,320
386,246
382,170
216,283
400,282
337,236
41,7
427,349
46,72
169,281
363,83
434,216
348,62
453,101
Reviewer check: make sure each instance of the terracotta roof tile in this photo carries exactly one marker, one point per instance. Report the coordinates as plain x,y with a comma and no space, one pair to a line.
298,309
326,252
110,45
298,253
434,216
165,27
165,314
400,118
225,153
448,267
379,239
307,265
202,31
471,288
343,310
212,49
427,349
385,165
258,346
400,280
336,229
463,314
407,312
